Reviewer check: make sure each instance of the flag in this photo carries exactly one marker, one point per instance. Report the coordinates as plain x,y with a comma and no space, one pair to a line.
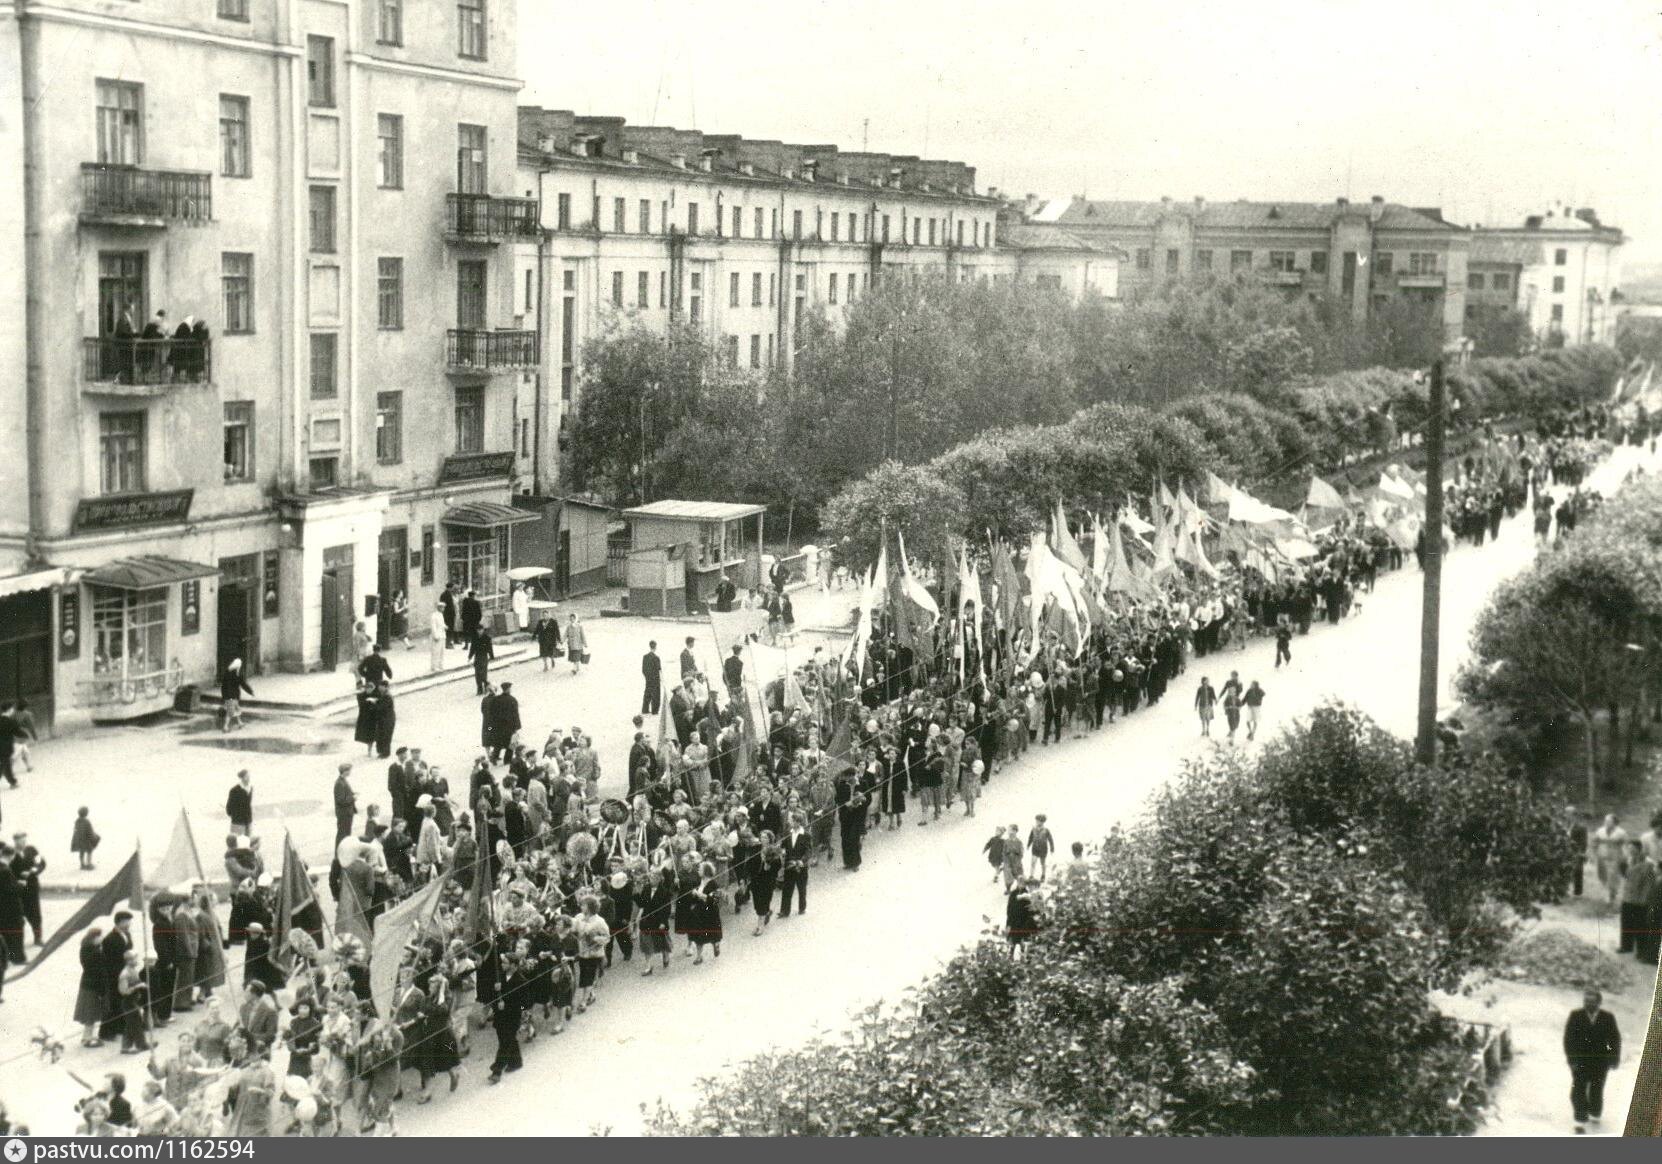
125,888
1165,547
394,930
350,917
478,919
181,861
1323,496
1118,579
1006,587
969,602
839,755
1062,541
294,893
914,609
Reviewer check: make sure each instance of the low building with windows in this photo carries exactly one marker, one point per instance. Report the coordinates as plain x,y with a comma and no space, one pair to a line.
1359,256
745,239
267,375
1562,269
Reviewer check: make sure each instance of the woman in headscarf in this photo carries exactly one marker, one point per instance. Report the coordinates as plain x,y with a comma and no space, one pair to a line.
91,1005
577,643
706,927
764,879
656,898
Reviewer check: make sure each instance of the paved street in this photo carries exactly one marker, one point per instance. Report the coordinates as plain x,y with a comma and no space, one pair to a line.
921,895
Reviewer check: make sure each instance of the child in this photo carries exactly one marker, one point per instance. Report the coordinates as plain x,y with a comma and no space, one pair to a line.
25,720
84,840
1283,643
994,849
1012,856
1040,843
969,783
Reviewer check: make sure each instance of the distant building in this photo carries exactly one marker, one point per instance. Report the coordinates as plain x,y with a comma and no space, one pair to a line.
1562,269
1361,255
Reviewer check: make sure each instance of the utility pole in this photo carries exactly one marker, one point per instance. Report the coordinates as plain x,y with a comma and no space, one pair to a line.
1425,743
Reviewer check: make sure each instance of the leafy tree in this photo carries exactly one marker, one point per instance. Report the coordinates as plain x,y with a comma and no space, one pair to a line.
1499,331
910,500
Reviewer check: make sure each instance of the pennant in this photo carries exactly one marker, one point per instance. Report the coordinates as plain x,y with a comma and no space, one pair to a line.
1006,588
478,921
350,915
394,930
914,609
1062,541
1165,547
181,861
125,888
294,893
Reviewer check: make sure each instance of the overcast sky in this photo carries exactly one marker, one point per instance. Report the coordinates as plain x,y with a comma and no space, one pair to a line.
1488,108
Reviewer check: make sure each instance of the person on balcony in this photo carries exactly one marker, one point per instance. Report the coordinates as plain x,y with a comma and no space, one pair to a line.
181,354
154,358
199,349
121,359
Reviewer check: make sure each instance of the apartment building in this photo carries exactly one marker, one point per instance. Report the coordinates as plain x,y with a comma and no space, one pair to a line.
1562,269
745,239
1361,256
328,188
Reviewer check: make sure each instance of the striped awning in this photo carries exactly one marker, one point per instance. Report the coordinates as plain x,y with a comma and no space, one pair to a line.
37,580
486,515
146,573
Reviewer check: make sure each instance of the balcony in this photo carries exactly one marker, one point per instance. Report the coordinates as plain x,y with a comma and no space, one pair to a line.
482,352
113,366
483,219
150,199
1275,277
1421,278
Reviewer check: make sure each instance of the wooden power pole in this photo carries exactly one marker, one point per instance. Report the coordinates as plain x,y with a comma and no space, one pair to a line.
1425,743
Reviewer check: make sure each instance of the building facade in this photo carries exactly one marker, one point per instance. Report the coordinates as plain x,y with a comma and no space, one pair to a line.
1561,269
745,239
328,189
1359,256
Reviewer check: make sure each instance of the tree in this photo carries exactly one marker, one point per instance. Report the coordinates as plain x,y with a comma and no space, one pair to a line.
910,500
1499,331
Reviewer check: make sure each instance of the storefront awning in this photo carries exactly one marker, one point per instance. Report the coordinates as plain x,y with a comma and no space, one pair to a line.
146,573
486,515
37,580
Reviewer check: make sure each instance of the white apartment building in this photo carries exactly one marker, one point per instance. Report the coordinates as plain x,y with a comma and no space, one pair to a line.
1562,269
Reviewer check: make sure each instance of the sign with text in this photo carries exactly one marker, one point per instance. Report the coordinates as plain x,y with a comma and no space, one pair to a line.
101,513
475,466
69,625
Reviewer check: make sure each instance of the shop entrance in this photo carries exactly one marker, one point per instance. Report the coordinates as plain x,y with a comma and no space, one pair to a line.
26,652
239,612
336,613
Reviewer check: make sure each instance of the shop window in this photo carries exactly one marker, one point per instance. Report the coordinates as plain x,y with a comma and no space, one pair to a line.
474,559
129,631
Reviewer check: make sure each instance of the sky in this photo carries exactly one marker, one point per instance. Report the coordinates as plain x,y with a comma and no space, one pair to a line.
1490,109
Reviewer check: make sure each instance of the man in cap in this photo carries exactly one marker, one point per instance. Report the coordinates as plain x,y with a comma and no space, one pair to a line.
239,804
27,866
113,949
346,803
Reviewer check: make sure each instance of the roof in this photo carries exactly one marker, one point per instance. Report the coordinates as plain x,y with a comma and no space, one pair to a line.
1244,215
486,515
1044,237
1499,248
696,510
147,572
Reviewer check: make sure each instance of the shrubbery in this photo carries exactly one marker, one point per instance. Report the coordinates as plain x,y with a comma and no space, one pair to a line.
1254,959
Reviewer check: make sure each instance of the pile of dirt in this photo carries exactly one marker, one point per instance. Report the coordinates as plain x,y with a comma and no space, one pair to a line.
1553,957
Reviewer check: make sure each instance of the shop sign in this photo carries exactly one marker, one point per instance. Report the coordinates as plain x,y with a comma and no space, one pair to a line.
190,606
475,467
102,513
69,625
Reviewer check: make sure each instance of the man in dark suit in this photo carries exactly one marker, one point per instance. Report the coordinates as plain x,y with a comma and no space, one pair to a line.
689,661
447,607
375,669
346,801
652,679
732,671
113,948
1592,1046
239,804
798,848
481,650
681,707
473,616
765,815
643,764
502,722
725,593
398,783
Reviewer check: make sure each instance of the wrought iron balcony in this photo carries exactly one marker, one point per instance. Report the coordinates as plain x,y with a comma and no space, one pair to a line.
129,196
481,218
144,367
467,350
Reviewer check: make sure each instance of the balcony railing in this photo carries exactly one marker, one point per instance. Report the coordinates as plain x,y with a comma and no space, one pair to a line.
1421,278
482,218
145,363
1276,276
128,195
467,350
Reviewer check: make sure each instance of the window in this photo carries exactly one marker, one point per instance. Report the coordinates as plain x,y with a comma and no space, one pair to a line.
773,288
239,440
323,472
389,294
646,216
1144,260
619,226
1558,313
761,221
562,211
770,349
836,227
233,136
320,71
471,557
733,351
428,565
321,202
692,218
568,335
470,294
389,133
120,123
129,631
885,228
1560,257
1558,284
236,278
530,292
389,24
232,9
917,231
1282,261
695,299
733,289
1474,282
1422,263
931,232
756,351
643,290
389,428
756,289
525,437
831,289
1172,260
663,290
121,452
738,222
852,276
1318,262
853,227
1500,281
1383,262
323,365
470,160
470,31
1203,260
470,418
796,224
1240,260
960,239
617,288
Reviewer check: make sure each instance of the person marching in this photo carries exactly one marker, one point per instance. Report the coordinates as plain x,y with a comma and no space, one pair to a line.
1205,701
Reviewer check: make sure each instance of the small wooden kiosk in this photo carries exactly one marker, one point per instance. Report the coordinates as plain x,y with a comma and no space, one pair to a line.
715,537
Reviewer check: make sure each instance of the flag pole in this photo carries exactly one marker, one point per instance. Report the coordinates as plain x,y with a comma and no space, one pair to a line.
144,936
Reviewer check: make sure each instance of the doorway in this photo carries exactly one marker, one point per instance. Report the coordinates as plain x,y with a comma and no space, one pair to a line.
562,565
470,294
240,612
26,652
336,624
392,573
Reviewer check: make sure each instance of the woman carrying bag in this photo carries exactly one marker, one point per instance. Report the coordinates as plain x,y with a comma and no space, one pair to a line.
577,644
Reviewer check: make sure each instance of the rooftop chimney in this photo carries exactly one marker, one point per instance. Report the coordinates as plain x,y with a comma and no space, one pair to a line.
1200,203
1344,203
679,161
842,177
545,142
810,170
707,160
1165,200
1376,208
632,156
747,169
